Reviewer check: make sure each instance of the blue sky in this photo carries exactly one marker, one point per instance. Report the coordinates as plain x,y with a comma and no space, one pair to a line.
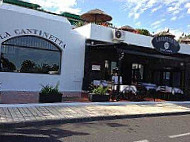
154,15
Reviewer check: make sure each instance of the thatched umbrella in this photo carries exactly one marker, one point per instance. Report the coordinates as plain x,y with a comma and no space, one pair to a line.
185,40
165,33
127,28
96,16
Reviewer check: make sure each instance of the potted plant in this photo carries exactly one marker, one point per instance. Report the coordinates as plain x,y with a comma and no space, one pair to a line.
50,94
99,94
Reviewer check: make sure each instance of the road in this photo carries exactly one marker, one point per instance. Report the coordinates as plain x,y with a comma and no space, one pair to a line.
149,129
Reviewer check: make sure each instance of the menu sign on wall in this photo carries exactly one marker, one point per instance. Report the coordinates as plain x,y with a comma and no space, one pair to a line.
96,67
165,45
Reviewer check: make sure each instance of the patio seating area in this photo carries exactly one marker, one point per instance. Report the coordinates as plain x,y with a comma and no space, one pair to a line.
143,91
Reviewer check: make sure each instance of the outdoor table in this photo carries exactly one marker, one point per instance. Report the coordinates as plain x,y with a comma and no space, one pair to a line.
164,91
128,88
177,91
168,91
149,86
104,83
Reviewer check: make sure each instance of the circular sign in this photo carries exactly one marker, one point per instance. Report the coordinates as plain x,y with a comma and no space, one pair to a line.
118,34
165,45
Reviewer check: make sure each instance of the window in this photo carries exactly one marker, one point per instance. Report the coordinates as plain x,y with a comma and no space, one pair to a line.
137,72
166,75
30,54
113,66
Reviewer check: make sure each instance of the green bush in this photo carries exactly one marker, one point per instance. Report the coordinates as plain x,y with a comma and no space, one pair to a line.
100,90
50,90
143,32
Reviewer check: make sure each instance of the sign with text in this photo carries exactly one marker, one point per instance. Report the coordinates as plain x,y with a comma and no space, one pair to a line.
34,32
96,67
165,45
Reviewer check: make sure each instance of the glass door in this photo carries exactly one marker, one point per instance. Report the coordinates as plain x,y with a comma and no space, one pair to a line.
166,78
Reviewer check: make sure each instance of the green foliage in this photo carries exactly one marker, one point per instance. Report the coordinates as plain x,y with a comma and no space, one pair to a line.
79,24
50,90
100,90
143,32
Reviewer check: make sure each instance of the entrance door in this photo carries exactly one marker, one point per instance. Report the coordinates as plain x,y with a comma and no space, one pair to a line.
137,73
176,79
166,78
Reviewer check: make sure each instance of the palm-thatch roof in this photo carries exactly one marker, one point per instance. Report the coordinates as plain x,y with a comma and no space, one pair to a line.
127,28
185,40
165,33
96,15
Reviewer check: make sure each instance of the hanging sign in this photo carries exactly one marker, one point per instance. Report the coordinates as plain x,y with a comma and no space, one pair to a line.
165,45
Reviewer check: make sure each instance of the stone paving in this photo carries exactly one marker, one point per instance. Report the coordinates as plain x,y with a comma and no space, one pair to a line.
10,114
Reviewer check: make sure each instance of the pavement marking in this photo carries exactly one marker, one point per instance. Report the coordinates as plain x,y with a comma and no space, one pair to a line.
142,141
179,135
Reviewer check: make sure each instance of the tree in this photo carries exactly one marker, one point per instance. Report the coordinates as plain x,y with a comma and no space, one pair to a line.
143,32
27,66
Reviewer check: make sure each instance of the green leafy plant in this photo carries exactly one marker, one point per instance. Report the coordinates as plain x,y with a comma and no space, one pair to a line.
100,90
143,32
50,90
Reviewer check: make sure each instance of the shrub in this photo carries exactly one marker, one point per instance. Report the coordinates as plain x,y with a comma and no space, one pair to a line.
50,90
143,32
100,90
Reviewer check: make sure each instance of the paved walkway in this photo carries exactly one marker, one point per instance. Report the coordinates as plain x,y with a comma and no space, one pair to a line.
66,112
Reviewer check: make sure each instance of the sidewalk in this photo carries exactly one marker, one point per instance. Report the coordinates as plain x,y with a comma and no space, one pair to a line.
43,114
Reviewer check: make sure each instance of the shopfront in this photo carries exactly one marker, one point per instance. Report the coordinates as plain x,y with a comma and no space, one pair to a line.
141,63
137,65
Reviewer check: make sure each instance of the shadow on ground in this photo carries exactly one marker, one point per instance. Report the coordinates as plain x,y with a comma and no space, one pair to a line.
36,134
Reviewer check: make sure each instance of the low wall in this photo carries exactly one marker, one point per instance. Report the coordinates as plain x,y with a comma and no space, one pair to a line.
23,97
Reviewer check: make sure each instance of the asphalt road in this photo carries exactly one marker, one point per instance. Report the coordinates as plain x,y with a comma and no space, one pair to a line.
149,129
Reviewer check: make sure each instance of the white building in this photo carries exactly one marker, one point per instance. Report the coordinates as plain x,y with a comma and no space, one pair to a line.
39,38
38,48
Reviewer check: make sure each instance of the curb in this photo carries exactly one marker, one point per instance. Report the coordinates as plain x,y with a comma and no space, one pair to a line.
90,103
85,119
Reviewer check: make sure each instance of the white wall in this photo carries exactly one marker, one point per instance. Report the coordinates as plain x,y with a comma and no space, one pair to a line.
14,17
102,33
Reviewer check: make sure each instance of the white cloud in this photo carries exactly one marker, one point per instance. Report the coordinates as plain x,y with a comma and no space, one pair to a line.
58,5
173,18
187,5
188,11
138,7
156,9
138,24
177,33
188,8
157,24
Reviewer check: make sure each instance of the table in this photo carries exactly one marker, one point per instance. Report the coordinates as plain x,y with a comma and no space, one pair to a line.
167,91
149,86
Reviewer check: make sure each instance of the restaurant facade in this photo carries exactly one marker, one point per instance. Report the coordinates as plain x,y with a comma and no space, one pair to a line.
142,61
39,48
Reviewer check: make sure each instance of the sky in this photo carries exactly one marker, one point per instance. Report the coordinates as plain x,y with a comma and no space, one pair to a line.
153,15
